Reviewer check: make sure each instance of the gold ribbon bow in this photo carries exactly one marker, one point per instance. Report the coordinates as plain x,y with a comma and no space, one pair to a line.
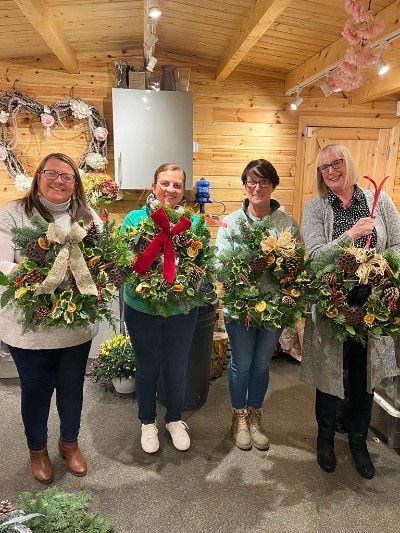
69,255
370,265
283,245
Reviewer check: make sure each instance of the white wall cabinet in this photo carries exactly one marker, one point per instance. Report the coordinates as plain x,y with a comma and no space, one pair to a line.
151,128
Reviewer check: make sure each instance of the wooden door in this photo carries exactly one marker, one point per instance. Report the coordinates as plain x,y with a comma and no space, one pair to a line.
373,148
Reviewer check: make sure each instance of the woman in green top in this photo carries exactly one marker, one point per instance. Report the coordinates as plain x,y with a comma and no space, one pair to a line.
160,342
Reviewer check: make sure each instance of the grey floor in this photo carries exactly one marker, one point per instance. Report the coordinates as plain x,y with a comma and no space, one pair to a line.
213,487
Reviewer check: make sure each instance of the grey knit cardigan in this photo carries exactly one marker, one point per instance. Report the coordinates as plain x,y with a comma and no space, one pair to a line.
322,358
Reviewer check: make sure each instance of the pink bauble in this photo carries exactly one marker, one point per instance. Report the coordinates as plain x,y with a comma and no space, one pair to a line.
47,120
3,153
100,134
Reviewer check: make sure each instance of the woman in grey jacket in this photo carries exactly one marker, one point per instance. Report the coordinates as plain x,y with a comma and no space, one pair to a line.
341,213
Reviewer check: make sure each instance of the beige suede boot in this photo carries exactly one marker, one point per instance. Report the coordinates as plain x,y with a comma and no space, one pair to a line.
240,429
258,436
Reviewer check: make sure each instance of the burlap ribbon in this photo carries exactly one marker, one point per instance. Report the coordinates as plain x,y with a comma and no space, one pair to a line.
370,266
283,245
162,241
69,255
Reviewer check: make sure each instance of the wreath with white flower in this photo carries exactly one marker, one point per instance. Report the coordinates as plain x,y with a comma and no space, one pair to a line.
264,276
68,277
55,115
337,275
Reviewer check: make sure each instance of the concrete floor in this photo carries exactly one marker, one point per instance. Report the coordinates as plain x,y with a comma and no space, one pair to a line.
214,486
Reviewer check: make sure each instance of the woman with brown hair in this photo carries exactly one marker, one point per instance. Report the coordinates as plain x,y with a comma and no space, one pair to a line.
55,359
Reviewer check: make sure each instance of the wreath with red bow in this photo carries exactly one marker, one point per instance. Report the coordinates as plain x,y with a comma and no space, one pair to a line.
172,260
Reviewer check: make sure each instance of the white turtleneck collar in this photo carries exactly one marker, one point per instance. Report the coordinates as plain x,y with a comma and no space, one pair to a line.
55,208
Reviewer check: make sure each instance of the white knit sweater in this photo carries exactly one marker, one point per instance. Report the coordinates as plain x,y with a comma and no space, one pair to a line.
13,215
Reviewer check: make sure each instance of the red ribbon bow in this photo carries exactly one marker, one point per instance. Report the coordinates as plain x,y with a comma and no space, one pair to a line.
377,193
162,240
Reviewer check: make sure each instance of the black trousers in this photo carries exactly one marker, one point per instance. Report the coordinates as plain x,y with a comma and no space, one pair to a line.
40,373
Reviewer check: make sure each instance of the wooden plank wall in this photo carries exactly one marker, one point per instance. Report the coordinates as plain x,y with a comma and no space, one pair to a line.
235,121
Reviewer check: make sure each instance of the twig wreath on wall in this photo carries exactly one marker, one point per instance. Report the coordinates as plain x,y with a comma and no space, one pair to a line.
57,114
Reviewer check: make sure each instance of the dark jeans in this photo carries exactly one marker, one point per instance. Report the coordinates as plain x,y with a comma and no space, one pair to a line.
42,371
160,343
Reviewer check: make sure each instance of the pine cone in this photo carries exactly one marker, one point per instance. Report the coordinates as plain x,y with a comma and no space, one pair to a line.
226,286
180,239
5,507
93,232
259,264
194,276
117,277
329,278
141,245
391,294
43,312
376,280
71,282
354,315
288,300
34,276
348,263
293,264
35,253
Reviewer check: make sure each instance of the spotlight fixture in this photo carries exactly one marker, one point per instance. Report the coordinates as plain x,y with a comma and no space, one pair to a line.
299,100
151,63
326,89
154,9
150,42
381,66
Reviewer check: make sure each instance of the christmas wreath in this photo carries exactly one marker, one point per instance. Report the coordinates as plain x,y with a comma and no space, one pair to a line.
69,277
339,273
263,275
172,260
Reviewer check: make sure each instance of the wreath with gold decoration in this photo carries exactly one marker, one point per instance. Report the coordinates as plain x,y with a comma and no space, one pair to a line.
69,276
339,274
264,274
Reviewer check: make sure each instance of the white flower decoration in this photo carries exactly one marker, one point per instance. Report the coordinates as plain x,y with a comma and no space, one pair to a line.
4,117
95,161
80,109
23,183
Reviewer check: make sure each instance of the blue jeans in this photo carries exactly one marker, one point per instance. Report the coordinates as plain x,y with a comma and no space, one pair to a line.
160,343
252,350
42,371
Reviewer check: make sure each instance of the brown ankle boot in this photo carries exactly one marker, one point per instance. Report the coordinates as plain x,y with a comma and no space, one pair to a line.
41,466
73,456
258,436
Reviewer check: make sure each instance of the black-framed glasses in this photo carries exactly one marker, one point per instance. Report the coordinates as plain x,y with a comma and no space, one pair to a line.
338,163
53,174
262,183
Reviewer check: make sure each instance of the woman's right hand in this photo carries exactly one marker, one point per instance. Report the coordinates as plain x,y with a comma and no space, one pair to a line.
363,226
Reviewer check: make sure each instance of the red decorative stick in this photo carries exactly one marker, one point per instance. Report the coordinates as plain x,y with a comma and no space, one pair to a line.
378,189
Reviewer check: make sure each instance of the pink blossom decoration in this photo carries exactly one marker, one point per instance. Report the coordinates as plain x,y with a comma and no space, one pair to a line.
100,134
3,153
47,120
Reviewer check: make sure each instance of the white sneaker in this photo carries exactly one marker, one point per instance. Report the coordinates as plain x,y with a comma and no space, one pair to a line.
149,440
179,435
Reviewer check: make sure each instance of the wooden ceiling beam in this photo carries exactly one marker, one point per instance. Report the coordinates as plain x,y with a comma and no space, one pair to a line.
377,87
257,22
327,59
38,14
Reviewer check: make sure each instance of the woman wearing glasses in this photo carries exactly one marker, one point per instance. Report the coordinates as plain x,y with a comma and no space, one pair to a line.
341,214
252,347
56,359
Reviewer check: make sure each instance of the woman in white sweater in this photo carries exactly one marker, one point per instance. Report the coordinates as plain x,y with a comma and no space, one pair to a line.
55,359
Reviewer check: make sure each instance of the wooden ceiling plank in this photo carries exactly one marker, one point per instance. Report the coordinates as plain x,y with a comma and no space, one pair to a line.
257,22
377,87
37,12
328,57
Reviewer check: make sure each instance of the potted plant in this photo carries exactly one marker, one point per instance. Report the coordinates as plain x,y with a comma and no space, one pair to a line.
115,362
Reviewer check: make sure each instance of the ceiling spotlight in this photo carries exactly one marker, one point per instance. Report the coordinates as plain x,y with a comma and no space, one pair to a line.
154,9
299,100
326,89
381,66
150,42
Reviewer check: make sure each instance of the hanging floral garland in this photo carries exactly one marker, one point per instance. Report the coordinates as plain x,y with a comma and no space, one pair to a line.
57,114
359,30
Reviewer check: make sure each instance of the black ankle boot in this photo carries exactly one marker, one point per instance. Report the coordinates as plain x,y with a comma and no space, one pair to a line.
362,459
326,455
